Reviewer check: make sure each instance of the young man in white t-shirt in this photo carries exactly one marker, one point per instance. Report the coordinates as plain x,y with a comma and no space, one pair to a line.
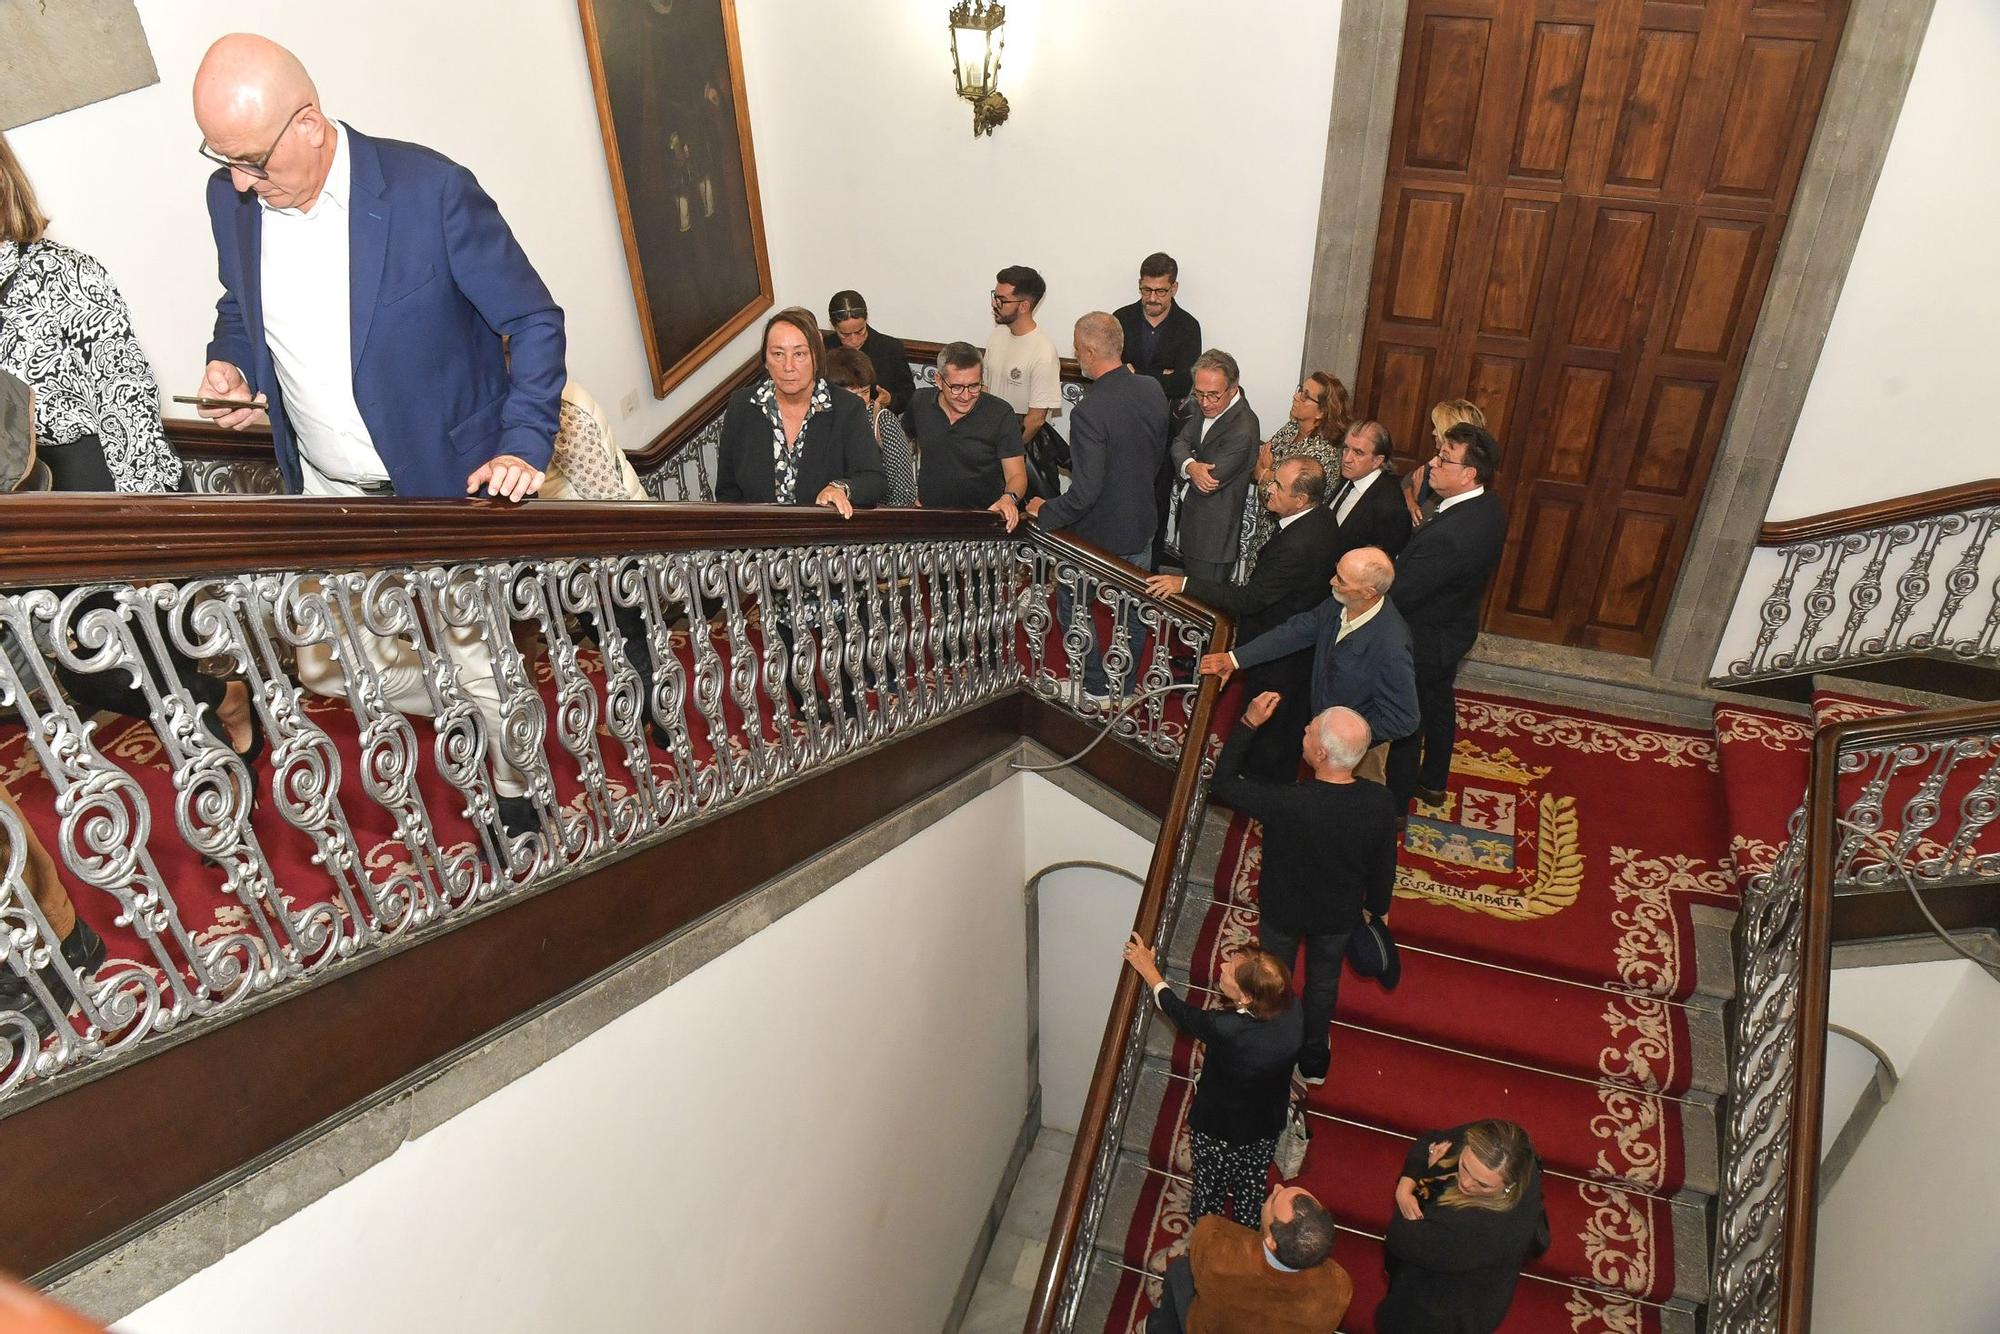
1021,362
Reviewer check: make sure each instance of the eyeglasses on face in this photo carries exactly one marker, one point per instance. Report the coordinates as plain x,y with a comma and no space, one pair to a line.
259,165
1207,395
1000,300
1156,291
961,390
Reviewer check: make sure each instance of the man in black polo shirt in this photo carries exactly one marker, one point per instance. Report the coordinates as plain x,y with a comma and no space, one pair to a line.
968,441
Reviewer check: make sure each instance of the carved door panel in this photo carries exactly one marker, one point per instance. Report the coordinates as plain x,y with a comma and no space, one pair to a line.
1583,203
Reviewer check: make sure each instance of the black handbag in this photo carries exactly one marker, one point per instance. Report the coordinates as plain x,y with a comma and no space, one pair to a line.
1046,455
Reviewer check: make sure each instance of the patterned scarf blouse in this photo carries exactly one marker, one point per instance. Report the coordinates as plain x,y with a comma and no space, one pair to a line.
785,453
65,331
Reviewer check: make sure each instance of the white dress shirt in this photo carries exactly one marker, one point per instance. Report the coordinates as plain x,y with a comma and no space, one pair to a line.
308,323
1444,505
1291,519
1353,496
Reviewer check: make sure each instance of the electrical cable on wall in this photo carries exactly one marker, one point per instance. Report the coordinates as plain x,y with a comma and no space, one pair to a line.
1109,723
1902,870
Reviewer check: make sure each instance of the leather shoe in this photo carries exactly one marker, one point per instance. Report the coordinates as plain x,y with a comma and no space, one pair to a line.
518,817
84,950
1432,796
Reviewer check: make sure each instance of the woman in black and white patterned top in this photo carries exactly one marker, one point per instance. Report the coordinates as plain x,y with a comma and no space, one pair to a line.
65,331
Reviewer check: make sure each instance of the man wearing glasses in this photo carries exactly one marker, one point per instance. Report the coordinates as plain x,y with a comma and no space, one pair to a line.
1161,339
1021,362
1441,580
970,448
367,288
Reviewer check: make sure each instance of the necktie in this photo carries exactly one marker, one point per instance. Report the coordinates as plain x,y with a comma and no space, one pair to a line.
1340,496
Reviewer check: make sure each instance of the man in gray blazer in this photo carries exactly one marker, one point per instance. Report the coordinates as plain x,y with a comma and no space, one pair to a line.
1215,455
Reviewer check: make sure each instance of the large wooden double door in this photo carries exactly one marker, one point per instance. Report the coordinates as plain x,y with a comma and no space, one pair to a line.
1584,201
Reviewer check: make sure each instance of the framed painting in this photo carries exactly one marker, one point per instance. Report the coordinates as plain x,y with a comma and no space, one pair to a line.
669,80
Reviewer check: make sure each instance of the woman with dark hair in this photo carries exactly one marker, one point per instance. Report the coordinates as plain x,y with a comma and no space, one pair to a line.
853,371
847,316
1245,1084
1468,1216
789,439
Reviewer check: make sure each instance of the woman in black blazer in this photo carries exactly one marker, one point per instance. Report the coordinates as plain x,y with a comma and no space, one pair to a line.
1245,1084
790,439
1468,1216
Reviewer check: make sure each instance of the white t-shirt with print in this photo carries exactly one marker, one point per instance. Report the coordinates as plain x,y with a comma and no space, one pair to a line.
1024,370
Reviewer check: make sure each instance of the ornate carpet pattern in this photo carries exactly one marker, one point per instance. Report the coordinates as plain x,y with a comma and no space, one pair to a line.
1546,914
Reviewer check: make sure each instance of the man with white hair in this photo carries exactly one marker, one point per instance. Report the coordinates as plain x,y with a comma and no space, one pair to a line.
1329,855
1360,658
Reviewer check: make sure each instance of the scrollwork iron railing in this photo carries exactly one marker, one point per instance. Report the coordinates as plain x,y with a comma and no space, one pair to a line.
444,736
1920,576
1908,799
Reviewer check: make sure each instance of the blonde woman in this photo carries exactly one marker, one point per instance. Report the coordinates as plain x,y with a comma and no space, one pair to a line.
1468,1215
1423,502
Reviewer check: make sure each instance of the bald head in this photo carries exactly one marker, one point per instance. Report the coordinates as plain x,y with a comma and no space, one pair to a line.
258,109
1343,738
247,86
1100,343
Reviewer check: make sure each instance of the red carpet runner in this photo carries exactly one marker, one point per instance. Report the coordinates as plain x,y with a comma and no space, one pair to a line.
1545,915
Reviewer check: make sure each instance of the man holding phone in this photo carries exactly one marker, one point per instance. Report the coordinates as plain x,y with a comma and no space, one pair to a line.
367,288
367,284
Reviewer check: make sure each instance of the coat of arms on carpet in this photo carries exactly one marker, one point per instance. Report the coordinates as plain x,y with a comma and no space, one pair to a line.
1497,845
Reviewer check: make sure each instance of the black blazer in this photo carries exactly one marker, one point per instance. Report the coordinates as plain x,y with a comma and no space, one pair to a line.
1379,519
1290,576
838,446
1117,439
1441,577
892,367
1329,848
1172,362
1246,1068
1455,1269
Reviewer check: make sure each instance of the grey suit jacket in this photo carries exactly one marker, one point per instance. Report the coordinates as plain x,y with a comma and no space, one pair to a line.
1212,521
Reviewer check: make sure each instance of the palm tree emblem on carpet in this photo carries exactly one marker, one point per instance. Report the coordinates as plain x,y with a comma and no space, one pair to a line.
1498,844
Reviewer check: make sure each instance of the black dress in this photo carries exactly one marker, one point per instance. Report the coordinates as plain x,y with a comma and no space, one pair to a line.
1454,1272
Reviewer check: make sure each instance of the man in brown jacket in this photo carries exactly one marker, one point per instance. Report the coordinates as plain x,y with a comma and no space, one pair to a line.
1280,1280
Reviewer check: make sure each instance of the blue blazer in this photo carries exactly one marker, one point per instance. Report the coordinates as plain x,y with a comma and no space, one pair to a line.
1372,671
436,278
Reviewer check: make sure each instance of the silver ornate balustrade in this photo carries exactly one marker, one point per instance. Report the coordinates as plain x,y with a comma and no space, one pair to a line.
374,827
1923,586
1915,808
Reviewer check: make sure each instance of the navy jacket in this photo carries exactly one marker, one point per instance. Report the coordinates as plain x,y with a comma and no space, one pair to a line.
1371,671
1441,577
1117,441
435,279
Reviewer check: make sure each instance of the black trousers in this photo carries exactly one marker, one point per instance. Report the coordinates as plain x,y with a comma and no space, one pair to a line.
1326,955
114,691
1423,759
1176,1297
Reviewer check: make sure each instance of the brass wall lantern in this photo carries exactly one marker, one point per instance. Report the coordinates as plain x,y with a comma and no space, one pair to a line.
976,39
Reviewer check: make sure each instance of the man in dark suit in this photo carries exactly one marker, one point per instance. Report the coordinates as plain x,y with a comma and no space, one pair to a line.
1441,580
1329,855
1360,659
1368,504
1215,454
1293,568
1117,437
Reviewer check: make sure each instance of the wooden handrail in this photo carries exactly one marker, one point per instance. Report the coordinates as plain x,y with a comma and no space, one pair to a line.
1823,837
1065,1229
78,538
1880,513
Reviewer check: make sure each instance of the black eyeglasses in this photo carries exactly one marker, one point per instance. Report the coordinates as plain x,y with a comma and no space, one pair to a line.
247,166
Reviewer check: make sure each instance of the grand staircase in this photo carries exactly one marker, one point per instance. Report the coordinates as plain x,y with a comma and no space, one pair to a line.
1564,924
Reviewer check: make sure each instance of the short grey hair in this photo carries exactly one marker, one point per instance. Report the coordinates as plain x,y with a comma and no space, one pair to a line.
1377,571
1344,735
1101,335
959,357
1215,359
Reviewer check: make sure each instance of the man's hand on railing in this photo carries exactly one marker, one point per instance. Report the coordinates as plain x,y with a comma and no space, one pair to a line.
1218,665
505,477
1007,508
1165,585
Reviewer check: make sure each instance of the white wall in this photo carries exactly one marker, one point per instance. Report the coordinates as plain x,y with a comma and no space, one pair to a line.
804,1134
1138,125
1906,372
1908,1236
1894,1007
870,175
1085,915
